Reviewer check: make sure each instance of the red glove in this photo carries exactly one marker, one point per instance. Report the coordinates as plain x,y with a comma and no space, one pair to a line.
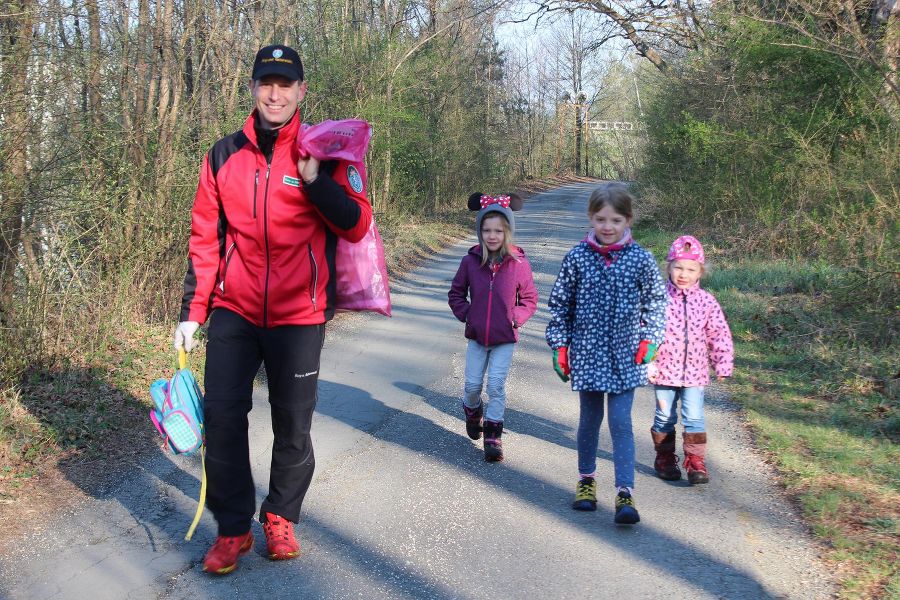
561,363
646,352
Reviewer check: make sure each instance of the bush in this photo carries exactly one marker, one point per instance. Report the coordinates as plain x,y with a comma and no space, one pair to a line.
784,147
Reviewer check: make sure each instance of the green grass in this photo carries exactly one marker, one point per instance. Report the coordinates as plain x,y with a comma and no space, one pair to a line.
409,240
816,378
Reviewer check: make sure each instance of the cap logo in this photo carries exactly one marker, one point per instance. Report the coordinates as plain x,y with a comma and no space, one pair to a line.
276,53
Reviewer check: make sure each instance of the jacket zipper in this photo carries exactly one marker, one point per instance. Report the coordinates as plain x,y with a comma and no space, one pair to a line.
487,320
255,191
684,364
227,262
266,236
315,274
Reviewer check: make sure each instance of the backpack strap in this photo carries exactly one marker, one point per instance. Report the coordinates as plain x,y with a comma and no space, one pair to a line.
181,363
202,500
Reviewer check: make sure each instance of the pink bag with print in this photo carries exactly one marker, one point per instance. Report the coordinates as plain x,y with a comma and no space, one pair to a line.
360,271
347,140
361,274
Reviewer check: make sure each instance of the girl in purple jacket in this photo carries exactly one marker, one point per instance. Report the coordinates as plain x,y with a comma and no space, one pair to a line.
697,338
493,293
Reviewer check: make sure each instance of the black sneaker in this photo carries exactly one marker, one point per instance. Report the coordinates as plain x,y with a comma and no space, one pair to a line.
626,513
585,494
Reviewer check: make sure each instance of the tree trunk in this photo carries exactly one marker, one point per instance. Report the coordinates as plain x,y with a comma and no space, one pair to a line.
16,29
94,66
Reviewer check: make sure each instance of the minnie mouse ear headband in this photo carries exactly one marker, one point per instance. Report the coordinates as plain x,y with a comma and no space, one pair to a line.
478,201
486,205
686,248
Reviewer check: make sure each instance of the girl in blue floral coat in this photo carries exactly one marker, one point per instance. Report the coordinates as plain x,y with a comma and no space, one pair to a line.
608,311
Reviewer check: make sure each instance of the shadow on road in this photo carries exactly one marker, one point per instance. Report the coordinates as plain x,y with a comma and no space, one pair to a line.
420,435
518,421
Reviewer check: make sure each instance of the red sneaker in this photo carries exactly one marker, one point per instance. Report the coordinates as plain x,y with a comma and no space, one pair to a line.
280,539
222,557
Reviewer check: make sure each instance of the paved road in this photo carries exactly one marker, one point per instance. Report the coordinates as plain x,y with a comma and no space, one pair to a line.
403,506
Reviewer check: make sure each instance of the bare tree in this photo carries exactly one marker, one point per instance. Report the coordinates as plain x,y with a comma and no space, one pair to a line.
648,26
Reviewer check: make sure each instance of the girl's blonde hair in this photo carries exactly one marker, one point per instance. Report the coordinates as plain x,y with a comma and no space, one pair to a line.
506,247
614,195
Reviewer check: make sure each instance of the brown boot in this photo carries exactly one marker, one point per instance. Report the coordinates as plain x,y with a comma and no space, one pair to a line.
694,455
666,463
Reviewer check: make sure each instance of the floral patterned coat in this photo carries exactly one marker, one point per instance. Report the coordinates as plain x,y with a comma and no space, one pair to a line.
601,308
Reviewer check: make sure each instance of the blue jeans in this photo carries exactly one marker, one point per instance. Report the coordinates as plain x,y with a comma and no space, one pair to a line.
692,417
619,428
494,360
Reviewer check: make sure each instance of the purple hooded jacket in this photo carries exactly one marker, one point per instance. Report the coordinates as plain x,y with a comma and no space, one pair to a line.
489,302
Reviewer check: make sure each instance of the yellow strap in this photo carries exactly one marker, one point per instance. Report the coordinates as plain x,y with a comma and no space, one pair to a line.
182,358
202,501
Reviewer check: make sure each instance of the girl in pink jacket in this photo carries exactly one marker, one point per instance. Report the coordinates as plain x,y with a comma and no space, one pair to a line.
697,338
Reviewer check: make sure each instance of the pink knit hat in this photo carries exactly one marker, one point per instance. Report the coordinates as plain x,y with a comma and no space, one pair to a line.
686,248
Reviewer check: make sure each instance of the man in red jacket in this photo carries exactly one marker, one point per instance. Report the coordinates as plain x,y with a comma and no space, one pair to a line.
264,228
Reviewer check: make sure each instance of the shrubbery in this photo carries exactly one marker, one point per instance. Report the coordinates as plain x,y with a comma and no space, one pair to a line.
788,147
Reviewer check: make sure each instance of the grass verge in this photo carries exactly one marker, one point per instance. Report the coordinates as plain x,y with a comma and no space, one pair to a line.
818,382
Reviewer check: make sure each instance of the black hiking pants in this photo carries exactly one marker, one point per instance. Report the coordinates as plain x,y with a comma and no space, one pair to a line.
234,353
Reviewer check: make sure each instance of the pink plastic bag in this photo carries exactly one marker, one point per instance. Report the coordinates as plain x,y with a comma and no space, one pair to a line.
361,274
347,140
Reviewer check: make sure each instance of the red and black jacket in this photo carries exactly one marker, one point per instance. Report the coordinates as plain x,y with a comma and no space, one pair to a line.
263,242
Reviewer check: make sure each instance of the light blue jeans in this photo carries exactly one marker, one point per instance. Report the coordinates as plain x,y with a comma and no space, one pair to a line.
619,424
495,361
692,417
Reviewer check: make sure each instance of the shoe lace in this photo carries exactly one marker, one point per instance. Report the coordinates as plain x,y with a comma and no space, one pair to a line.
224,543
694,463
585,490
624,499
277,527
669,460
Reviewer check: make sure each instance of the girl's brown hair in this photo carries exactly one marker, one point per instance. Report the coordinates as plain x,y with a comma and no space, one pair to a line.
506,248
614,195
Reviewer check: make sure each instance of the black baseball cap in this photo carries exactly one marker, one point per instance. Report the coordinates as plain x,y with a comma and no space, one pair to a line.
278,60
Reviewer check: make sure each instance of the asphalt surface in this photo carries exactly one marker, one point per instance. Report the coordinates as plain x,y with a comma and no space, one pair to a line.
403,505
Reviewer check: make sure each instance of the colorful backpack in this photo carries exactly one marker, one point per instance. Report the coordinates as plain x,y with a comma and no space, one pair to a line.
178,416
178,412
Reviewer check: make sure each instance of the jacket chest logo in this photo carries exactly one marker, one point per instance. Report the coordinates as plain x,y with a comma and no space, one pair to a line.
292,181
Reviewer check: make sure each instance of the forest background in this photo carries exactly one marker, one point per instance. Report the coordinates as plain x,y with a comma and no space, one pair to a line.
768,129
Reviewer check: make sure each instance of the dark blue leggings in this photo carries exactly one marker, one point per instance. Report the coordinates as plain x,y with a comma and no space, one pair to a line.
619,428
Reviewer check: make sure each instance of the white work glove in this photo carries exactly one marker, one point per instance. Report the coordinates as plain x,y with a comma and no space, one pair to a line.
184,335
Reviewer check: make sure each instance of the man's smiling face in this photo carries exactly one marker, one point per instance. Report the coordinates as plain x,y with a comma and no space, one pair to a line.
276,99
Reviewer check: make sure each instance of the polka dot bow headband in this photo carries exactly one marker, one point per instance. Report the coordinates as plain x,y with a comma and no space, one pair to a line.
478,201
501,200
